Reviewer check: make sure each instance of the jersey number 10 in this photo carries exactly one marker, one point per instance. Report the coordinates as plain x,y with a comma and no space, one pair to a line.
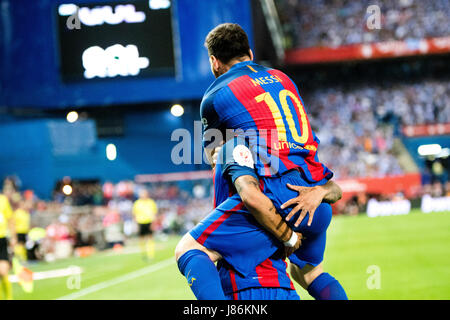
277,117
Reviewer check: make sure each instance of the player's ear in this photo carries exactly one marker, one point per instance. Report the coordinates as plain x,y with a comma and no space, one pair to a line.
214,63
251,54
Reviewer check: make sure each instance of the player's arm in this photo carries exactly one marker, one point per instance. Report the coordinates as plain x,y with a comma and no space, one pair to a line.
262,208
212,136
12,231
309,198
212,152
239,169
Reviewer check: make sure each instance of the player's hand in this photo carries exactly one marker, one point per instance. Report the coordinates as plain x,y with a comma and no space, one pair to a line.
215,154
308,199
290,250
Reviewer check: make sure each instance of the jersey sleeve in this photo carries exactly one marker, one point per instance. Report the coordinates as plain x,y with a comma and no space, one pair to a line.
237,160
211,122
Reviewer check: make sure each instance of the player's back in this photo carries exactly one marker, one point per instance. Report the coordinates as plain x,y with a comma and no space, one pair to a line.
265,104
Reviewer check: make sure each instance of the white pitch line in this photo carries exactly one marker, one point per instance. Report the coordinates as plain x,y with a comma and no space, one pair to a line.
115,281
49,274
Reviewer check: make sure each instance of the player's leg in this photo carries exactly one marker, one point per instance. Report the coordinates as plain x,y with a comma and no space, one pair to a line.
20,250
143,239
187,243
320,285
5,284
142,246
233,232
196,263
304,276
306,269
229,232
310,255
150,244
6,287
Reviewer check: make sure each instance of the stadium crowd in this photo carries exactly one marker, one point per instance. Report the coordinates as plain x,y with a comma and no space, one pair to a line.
357,126
82,222
345,22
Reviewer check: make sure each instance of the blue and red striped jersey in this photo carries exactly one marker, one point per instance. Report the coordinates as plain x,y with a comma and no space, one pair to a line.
264,106
271,273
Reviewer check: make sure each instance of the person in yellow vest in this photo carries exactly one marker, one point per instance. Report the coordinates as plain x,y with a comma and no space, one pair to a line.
6,223
144,211
22,225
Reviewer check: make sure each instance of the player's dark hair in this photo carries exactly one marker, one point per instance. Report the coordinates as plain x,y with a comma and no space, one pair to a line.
227,41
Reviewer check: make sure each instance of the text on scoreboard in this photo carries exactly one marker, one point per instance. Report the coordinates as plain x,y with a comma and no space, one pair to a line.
116,39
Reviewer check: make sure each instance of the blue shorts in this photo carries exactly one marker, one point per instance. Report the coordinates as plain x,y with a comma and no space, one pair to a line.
231,230
264,294
313,247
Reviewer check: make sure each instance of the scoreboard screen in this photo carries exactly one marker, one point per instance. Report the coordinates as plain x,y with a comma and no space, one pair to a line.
115,40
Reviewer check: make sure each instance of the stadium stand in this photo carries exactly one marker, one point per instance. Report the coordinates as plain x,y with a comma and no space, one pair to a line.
401,20
357,126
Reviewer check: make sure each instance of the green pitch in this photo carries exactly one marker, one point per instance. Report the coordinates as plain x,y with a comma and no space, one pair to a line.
399,257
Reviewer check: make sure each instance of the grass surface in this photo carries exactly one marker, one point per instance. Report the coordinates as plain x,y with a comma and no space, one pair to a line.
411,253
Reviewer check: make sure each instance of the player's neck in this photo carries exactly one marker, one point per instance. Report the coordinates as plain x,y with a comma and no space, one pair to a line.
226,67
238,60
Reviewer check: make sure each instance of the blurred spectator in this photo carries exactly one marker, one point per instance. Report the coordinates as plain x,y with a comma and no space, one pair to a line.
112,222
22,224
144,211
58,242
36,236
